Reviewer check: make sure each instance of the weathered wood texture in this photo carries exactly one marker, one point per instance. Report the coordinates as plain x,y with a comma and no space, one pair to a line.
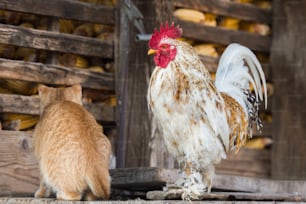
224,36
132,79
18,166
247,162
29,200
55,41
153,177
56,75
246,12
177,194
67,9
288,59
19,173
10,103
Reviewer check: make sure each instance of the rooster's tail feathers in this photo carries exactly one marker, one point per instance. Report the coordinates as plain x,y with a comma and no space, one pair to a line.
238,68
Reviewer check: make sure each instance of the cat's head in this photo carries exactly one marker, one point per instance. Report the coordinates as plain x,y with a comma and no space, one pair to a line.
49,95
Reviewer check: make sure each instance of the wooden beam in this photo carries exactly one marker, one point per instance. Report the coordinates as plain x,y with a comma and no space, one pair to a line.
241,11
19,174
237,196
248,162
224,36
288,57
31,200
66,9
10,103
54,41
56,75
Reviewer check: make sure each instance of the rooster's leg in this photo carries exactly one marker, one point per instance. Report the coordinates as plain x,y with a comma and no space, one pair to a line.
188,168
208,174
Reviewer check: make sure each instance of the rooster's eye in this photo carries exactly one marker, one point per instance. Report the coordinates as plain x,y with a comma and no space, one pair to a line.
164,46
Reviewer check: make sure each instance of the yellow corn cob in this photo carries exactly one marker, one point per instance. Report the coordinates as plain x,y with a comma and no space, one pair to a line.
258,143
263,4
96,69
85,29
230,23
206,49
66,26
4,90
244,1
72,60
26,25
20,87
100,28
258,28
210,19
190,15
105,2
26,54
106,36
109,67
26,121
189,41
266,117
112,101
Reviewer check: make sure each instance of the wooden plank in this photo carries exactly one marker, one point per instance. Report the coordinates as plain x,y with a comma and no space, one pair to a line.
289,117
10,103
66,9
177,194
142,177
31,200
125,178
132,74
54,41
18,167
56,75
241,11
224,36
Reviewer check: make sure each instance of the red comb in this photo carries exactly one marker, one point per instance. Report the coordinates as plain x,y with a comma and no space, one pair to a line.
165,31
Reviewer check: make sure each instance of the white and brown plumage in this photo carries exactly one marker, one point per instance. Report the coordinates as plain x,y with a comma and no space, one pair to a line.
200,119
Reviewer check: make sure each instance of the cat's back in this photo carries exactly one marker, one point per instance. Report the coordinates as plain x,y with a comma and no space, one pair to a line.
67,119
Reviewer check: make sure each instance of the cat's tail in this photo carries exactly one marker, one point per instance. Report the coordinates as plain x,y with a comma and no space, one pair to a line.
99,182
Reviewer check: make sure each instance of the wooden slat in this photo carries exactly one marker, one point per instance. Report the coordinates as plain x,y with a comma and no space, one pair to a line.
224,36
54,41
125,178
31,200
247,162
237,196
67,9
227,8
10,103
56,75
19,174
289,116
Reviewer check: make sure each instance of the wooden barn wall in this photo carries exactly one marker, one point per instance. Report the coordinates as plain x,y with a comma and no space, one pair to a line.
132,77
289,101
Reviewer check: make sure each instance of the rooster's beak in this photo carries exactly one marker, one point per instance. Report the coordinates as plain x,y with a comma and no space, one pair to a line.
151,51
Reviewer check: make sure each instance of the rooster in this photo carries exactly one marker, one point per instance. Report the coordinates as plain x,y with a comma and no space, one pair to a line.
202,120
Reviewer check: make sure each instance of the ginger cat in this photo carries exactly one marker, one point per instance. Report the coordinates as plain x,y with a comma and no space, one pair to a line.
72,151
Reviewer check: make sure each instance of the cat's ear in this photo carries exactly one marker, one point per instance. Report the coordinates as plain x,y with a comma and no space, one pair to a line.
41,88
77,89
